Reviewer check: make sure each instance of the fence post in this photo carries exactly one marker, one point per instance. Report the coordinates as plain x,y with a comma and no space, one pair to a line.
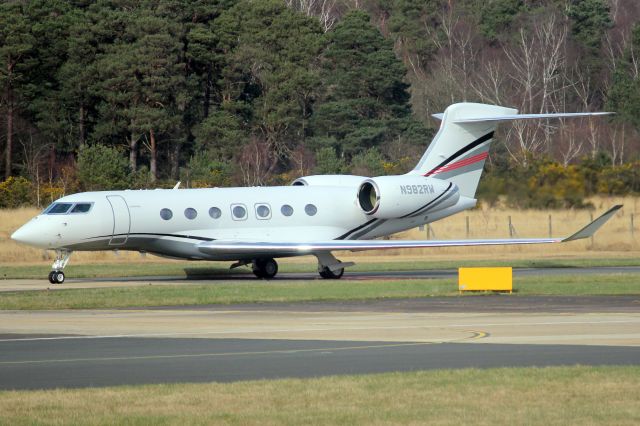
591,220
430,232
512,229
550,228
467,220
632,230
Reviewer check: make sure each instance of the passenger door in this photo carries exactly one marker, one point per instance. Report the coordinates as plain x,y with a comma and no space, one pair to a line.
121,220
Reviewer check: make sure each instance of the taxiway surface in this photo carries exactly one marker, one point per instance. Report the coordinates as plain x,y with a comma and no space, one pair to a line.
78,348
197,276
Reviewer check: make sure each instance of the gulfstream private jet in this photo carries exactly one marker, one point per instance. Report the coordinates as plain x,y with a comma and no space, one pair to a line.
316,215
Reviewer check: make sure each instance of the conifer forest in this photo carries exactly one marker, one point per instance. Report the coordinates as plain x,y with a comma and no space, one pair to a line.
113,94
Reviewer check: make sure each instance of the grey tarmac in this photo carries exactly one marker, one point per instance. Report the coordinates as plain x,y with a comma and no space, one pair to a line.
134,361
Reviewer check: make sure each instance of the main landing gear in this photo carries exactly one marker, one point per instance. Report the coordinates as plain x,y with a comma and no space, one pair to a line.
56,276
265,268
329,267
328,274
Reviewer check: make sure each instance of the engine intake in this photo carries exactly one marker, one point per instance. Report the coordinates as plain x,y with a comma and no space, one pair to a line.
368,197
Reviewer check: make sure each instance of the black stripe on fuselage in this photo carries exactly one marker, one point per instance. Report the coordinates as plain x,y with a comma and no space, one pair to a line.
346,234
133,234
429,203
463,151
365,231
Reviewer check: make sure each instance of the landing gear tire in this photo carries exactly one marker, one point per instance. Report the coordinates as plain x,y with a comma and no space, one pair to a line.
56,277
265,268
328,274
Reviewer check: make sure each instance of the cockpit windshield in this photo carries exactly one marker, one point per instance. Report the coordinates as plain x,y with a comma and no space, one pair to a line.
81,208
58,208
65,208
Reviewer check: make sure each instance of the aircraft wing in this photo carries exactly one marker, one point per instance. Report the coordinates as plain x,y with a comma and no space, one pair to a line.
299,248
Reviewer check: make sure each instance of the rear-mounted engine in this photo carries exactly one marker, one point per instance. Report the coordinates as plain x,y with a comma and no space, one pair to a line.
390,197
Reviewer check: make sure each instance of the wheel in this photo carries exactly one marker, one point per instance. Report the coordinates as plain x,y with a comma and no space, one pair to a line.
265,268
328,274
58,277
270,268
257,271
51,278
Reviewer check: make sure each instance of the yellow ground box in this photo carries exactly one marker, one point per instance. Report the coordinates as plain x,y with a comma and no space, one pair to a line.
485,279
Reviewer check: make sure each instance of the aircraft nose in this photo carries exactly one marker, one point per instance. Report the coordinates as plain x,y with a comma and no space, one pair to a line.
28,234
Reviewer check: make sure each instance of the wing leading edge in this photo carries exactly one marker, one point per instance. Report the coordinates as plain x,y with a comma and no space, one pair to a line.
299,248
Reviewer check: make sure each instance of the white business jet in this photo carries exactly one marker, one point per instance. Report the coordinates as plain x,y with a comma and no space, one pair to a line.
316,215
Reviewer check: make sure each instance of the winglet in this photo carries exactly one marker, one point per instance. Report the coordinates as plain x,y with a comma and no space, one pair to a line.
591,228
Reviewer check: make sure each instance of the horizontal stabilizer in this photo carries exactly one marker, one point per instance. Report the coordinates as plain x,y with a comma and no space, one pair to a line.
258,249
523,117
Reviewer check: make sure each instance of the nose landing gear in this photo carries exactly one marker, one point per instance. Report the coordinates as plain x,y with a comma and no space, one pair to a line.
56,276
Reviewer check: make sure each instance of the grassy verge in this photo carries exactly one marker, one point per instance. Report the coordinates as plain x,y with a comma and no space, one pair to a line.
555,395
183,269
295,291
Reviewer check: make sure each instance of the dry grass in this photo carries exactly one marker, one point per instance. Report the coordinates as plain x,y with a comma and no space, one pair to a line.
559,395
615,240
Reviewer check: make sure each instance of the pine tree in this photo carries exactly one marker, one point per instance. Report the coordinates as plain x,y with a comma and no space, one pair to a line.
366,100
17,59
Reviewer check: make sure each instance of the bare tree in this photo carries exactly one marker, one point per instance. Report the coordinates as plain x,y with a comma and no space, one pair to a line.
617,141
326,11
254,162
570,142
34,156
536,65
457,50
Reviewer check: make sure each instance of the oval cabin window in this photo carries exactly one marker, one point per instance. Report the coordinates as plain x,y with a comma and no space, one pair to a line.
263,211
215,212
310,209
190,213
286,210
166,214
239,212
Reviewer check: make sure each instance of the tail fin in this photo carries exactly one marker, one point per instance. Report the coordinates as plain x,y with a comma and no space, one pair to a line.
461,146
459,150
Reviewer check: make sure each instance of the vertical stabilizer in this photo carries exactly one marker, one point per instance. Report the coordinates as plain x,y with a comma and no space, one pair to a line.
459,149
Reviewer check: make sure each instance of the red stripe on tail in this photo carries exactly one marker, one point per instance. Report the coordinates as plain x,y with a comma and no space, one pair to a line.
458,164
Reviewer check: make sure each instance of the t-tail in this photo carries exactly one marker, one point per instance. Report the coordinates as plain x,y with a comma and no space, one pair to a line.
461,146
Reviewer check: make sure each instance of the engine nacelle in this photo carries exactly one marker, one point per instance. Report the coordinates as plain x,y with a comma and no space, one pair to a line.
392,197
329,180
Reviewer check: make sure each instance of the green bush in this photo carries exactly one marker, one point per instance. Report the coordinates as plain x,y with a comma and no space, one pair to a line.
556,186
15,192
328,162
205,171
620,180
103,168
368,163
